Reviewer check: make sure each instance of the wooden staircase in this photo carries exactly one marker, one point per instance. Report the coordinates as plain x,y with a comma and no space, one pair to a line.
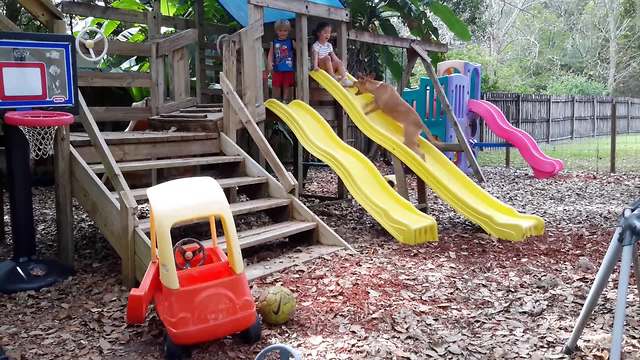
150,157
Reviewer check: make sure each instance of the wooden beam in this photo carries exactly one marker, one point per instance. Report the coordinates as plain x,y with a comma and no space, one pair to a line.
44,11
177,41
258,137
462,140
104,12
137,17
306,8
124,48
394,41
119,113
109,79
177,105
8,25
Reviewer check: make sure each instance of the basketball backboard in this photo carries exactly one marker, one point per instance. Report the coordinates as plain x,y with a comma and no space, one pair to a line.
38,71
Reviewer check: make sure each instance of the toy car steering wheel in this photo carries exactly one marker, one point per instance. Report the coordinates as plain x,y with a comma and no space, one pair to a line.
91,43
187,255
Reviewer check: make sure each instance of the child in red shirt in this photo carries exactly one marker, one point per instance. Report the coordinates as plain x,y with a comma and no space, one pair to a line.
280,62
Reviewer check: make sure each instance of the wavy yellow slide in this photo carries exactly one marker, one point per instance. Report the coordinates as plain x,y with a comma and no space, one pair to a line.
449,182
363,180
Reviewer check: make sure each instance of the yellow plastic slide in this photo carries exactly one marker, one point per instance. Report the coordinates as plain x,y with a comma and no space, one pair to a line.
449,182
363,180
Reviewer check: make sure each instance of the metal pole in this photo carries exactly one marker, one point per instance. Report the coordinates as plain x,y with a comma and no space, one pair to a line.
600,282
621,303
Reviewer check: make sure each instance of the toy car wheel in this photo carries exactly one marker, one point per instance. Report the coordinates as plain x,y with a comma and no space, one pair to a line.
173,351
253,333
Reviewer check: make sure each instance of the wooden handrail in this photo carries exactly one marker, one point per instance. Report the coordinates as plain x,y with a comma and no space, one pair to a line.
111,167
431,72
176,41
284,177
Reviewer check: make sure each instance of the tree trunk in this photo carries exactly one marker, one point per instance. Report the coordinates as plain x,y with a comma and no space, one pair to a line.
12,11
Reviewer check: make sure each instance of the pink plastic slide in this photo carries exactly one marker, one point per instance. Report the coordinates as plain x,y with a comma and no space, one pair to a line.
542,165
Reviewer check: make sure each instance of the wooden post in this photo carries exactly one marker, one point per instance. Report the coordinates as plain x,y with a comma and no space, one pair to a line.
398,169
519,120
181,79
64,204
412,59
614,132
507,157
628,116
252,56
595,116
462,140
127,220
573,117
230,69
3,238
201,71
341,116
156,60
302,85
549,122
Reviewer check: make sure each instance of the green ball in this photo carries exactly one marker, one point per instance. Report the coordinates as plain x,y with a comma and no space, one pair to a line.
276,305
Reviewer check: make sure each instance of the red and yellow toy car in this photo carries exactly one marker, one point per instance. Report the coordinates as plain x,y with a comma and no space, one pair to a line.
200,294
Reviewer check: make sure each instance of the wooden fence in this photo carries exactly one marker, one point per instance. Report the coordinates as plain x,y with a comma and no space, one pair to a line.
572,117
555,118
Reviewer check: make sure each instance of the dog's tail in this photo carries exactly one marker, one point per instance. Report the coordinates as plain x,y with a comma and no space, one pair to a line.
432,139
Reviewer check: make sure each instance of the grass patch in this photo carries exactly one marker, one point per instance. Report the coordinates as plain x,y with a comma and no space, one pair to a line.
591,154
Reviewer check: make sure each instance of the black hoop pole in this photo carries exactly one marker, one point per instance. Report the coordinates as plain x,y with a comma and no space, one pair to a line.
20,196
24,271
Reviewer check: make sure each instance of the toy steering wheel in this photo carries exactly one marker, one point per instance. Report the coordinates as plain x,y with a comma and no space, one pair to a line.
187,255
91,43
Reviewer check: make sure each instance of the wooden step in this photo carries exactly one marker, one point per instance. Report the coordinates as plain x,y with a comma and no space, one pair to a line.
201,110
262,235
296,257
214,105
239,208
141,193
181,115
134,137
207,124
169,163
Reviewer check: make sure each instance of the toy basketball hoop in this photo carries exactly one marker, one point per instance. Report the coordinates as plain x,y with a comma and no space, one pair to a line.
39,127
38,93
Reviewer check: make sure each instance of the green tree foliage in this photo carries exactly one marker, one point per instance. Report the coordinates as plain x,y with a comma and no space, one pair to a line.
391,17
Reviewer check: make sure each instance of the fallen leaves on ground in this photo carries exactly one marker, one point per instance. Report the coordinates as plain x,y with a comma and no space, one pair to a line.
467,296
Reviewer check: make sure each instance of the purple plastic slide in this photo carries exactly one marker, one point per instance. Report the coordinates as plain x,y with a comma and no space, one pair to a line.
543,166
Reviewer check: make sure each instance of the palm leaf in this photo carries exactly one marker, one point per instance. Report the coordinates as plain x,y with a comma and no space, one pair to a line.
449,18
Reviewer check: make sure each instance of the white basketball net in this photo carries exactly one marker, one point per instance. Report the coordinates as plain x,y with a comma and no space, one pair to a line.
40,140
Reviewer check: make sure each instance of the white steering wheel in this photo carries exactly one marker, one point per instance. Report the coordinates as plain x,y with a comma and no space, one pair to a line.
91,43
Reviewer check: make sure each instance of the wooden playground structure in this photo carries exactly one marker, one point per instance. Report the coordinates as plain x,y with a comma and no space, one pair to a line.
108,172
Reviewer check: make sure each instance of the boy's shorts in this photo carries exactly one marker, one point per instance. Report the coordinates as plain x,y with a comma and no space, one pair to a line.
283,79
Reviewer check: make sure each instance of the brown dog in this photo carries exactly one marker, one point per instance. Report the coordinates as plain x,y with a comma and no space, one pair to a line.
389,101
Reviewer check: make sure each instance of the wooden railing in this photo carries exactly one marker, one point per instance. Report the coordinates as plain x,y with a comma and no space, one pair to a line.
172,52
